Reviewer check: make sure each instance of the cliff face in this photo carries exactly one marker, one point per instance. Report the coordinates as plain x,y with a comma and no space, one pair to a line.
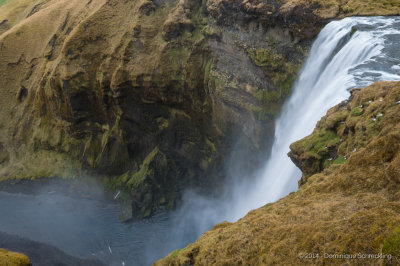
150,95
345,206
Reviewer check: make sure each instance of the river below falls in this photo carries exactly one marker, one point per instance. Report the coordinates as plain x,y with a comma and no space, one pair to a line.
83,223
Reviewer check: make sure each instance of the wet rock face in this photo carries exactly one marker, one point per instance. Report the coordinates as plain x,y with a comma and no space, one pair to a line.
96,87
4,157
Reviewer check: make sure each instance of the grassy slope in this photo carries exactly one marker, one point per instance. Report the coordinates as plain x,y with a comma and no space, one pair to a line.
24,44
17,10
347,208
2,2
345,8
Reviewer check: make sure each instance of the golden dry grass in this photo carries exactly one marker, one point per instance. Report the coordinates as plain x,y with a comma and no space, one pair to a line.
345,8
30,26
34,47
8,258
325,9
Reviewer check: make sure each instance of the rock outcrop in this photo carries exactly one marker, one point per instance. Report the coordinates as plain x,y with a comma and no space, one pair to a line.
348,203
148,95
9,258
348,128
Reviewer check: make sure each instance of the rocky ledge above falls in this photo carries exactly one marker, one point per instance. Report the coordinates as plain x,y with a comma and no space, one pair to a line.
149,95
344,206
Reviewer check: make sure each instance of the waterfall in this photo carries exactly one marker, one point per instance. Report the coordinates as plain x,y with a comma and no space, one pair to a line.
353,52
349,53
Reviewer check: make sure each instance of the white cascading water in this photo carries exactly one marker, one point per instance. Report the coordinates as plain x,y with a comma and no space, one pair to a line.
353,52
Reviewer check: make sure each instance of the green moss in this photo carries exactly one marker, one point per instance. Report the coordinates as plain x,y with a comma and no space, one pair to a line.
271,41
146,169
162,123
125,177
218,81
267,113
2,2
347,9
209,152
113,183
318,143
264,57
339,160
354,29
268,96
177,57
280,71
177,113
154,161
100,76
200,24
356,111
175,253
172,64
210,31
210,147
391,245
92,149
208,70
332,122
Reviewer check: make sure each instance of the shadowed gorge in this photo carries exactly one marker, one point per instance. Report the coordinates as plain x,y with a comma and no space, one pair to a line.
158,119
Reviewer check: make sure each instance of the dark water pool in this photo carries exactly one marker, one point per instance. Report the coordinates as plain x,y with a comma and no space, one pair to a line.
83,224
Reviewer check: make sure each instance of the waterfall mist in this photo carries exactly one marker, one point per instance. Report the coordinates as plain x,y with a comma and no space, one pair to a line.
353,52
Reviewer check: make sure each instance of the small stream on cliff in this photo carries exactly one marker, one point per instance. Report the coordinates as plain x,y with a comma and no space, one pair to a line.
353,52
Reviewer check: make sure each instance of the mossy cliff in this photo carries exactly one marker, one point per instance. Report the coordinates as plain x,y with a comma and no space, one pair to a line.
148,95
8,258
348,206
